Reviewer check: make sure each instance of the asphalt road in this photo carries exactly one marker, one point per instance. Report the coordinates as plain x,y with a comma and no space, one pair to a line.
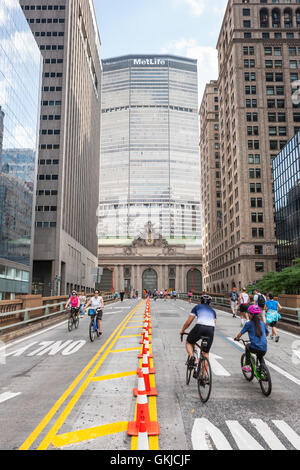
59,390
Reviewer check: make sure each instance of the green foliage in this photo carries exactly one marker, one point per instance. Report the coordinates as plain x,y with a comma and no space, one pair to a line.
286,281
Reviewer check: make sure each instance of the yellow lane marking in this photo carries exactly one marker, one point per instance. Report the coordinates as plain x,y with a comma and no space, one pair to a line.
153,440
124,350
62,418
33,436
130,336
135,327
113,376
87,434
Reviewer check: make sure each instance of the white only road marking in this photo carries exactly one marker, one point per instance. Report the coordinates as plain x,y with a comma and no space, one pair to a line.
19,352
273,366
266,432
50,347
217,368
205,433
289,433
7,396
203,429
243,438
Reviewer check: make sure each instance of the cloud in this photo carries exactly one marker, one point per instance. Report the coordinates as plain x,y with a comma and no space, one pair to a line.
207,59
198,7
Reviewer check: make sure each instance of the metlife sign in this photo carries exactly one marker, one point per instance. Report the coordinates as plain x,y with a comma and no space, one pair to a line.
148,61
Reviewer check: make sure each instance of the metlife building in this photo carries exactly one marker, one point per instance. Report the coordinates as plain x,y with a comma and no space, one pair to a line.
150,164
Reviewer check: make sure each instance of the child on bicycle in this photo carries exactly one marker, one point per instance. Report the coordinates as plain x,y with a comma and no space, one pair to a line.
258,332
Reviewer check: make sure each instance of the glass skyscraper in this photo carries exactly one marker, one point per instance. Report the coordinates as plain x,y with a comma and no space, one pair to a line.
286,171
150,164
20,78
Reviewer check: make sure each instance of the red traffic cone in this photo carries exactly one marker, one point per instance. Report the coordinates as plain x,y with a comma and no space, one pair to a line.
145,347
146,363
150,391
145,336
143,440
142,411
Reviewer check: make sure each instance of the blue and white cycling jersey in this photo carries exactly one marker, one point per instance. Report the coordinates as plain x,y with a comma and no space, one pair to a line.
205,315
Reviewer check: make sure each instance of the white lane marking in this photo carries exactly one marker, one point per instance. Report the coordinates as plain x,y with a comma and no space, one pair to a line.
243,438
73,348
203,431
289,433
20,351
217,368
273,366
266,432
7,396
26,338
53,349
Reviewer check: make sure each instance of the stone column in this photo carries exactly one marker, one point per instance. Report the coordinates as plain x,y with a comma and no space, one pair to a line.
160,279
139,280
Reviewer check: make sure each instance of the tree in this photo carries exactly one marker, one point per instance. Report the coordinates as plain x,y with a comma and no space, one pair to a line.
286,281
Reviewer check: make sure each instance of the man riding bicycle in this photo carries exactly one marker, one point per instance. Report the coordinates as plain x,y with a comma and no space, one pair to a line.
205,327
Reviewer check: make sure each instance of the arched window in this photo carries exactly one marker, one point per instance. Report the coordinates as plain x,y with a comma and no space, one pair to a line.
288,18
264,18
276,18
194,280
298,18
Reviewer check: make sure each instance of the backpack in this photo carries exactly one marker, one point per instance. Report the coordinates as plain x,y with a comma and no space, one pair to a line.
261,301
234,296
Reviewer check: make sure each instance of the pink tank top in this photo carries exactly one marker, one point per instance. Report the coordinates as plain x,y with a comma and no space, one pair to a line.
74,302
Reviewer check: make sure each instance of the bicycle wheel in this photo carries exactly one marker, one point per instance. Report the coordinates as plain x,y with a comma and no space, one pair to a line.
248,375
188,372
76,322
92,331
204,379
70,324
265,380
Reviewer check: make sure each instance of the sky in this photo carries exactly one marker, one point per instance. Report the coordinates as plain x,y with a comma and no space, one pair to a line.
189,28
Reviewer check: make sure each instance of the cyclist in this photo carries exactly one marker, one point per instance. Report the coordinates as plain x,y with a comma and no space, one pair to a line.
206,322
73,301
258,332
82,300
97,304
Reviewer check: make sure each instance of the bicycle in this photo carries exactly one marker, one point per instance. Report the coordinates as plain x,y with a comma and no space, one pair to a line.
258,370
73,319
202,370
93,327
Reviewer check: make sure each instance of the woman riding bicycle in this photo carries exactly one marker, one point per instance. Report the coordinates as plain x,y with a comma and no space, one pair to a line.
258,332
97,305
73,301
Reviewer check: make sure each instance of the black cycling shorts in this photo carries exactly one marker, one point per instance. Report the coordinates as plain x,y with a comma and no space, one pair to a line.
244,308
199,331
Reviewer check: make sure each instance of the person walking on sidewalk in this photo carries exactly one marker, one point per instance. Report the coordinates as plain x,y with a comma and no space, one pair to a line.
244,304
272,315
122,293
234,297
82,299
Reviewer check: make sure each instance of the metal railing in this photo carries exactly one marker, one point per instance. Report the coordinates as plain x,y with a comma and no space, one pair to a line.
288,314
27,315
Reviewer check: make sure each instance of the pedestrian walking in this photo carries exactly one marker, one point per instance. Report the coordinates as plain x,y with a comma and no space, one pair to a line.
122,293
272,315
260,301
234,297
244,304
82,299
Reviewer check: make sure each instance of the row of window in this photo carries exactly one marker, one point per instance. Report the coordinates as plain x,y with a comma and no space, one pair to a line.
44,7
49,162
49,146
49,34
54,47
46,20
50,117
50,131
46,208
45,224
48,177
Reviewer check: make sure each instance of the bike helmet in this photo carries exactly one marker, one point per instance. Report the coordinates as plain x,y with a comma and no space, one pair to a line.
254,310
206,299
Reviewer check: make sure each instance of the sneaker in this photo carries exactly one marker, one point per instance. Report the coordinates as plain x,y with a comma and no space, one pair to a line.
246,369
271,338
191,362
276,339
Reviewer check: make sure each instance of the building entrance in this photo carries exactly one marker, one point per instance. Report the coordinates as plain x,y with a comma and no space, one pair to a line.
149,280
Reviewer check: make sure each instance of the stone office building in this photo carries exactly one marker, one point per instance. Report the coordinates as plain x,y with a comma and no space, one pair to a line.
65,249
259,61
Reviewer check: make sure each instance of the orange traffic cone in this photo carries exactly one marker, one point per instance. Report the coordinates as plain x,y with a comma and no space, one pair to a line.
142,411
143,440
146,363
144,351
145,336
150,391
